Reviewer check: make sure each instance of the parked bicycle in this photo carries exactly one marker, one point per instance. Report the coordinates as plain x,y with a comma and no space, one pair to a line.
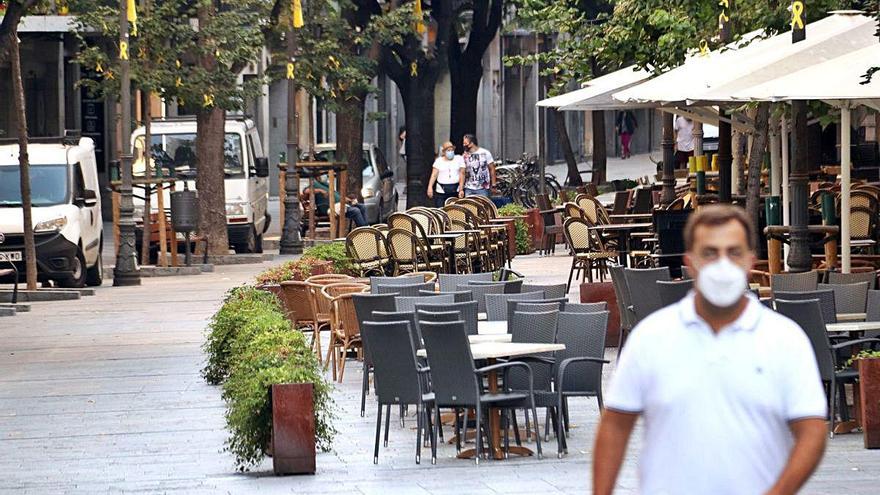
521,181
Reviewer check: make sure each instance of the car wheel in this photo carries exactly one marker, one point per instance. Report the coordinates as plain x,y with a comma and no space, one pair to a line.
78,278
95,274
258,243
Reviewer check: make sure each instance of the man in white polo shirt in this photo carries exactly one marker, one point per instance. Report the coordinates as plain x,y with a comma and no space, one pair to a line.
729,390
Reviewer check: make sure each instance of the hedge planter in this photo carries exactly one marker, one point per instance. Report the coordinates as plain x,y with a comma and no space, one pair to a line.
869,390
293,429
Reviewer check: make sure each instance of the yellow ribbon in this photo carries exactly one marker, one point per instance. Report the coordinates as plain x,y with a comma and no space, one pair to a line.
297,13
142,52
797,13
290,68
334,61
723,19
131,13
99,68
413,69
724,3
704,48
209,101
109,75
180,102
178,82
123,50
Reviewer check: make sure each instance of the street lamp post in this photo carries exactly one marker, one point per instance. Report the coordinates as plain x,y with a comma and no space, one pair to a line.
291,241
725,145
126,271
667,195
799,257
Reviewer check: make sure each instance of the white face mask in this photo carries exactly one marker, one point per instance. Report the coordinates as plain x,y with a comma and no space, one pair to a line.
722,283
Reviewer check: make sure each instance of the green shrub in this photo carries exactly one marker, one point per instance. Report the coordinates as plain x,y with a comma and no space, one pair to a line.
273,357
300,269
333,251
523,239
246,311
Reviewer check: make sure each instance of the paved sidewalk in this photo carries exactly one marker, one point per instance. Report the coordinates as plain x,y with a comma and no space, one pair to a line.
103,395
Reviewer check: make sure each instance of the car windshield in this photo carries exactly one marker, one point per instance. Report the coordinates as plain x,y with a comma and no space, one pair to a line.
49,185
330,156
176,153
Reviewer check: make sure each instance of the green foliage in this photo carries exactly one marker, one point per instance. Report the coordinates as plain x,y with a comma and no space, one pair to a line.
246,311
333,251
865,354
523,239
300,269
274,356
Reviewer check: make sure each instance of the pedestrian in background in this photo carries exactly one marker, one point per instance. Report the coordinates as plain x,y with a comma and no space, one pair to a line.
626,126
684,140
447,175
729,389
479,168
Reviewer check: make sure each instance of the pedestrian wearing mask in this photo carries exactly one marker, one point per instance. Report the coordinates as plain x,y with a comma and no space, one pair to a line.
447,176
729,389
479,166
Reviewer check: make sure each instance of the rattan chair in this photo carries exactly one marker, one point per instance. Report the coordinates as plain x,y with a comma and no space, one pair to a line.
295,298
425,276
593,307
418,226
515,305
588,253
409,253
863,228
368,250
320,304
344,325
672,291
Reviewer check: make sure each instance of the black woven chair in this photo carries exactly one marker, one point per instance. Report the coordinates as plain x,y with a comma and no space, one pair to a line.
450,281
376,282
406,290
537,307
457,383
808,315
364,305
873,308
407,316
624,304
794,282
578,368
642,284
496,304
460,295
398,380
825,298
593,307
672,291
554,291
849,298
513,305
437,316
409,303
510,286
853,278
479,293
467,309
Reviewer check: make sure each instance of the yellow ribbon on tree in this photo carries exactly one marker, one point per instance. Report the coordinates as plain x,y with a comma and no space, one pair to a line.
420,16
99,68
178,82
296,13
704,48
797,15
290,69
413,69
123,50
209,101
109,75
131,13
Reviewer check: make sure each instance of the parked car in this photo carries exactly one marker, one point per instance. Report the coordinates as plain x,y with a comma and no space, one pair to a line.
68,229
173,148
380,197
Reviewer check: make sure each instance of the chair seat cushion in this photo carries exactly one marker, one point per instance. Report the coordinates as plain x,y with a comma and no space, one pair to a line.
503,397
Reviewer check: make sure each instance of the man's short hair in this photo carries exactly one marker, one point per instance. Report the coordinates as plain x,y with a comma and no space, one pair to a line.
714,216
471,138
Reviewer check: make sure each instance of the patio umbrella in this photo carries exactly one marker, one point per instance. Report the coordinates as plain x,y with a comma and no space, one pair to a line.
595,94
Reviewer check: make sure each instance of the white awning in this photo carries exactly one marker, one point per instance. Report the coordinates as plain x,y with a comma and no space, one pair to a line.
596,93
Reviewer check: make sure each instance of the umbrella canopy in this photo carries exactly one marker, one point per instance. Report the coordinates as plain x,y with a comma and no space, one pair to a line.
596,93
715,76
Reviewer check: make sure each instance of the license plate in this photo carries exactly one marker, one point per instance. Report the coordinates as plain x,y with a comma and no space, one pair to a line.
10,256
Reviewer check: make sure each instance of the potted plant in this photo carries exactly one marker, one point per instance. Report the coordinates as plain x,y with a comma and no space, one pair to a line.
869,391
524,236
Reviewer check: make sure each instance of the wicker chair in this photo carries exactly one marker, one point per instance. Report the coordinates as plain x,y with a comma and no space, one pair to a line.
459,295
408,304
825,298
572,210
853,278
863,228
554,291
496,304
467,312
296,298
594,307
344,325
642,285
510,286
479,292
794,282
408,290
449,281
587,251
672,291
320,304
364,306
409,253
368,250
426,276
377,282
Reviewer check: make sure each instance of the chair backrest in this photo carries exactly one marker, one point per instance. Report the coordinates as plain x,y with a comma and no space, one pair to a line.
794,282
421,276
411,290
295,297
513,305
572,210
422,316
808,315
825,298
404,303
376,282
479,292
496,304
467,310
536,307
853,278
339,288
366,245
583,336
593,307
553,291
873,309
345,315
407,247
538,328
450,281
621,202
510,286
328,278
409,317
452,364
849,298
863,222
642,284
588,205
395,370
644,200
672,291
365,304
621,293
459,295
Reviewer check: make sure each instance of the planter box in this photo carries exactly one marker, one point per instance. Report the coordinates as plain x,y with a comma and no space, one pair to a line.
536,226
293,429
869,391
604,292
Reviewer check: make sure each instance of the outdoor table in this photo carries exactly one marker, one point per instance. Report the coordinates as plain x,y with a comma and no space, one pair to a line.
491,351
851,316
623,231
448,239
631,216
854,326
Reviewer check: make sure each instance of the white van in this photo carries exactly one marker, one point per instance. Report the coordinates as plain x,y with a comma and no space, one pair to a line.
68,230
173,148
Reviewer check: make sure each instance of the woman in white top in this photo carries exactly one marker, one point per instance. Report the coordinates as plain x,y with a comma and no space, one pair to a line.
447,177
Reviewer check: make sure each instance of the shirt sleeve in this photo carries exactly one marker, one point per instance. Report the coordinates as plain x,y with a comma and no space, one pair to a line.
802,387
627,391
489,158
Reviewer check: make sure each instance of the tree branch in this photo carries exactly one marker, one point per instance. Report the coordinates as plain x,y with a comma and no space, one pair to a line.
15,10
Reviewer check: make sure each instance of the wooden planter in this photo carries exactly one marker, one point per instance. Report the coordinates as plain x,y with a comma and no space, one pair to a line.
869,391
536,226
293,428
604,292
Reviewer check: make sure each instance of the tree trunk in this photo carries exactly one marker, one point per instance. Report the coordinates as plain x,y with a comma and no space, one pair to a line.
739,144
756,158
600,154
465,82
30,254
574,176
350,140
210,123
418,100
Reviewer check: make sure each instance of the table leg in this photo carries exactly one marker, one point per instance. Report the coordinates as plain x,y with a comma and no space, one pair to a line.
450,248
622,247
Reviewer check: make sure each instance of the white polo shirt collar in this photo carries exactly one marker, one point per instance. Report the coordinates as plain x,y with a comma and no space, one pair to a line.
747,321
